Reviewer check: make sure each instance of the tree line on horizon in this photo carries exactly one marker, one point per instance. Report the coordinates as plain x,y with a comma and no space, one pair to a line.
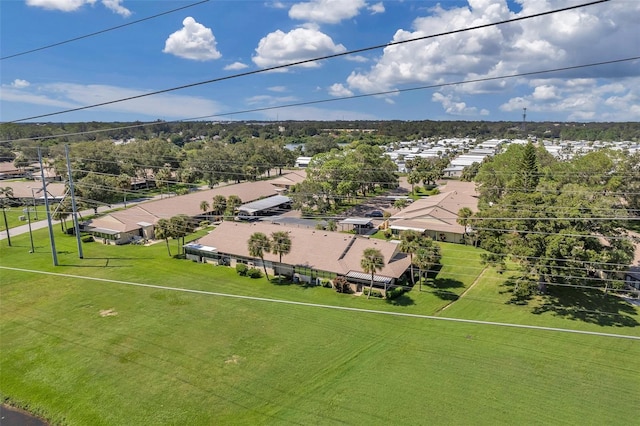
373,131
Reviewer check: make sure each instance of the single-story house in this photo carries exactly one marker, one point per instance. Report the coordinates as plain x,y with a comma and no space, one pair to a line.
289,179
315,254
436,216
124,226
30,192
9,171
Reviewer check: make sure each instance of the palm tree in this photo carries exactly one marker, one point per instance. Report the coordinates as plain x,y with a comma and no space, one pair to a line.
163,231
259,244
426,257
464,215
181,226
204,206
62,213
409,244
280,244
233,202
413,178
400,203
372,261
219,205
123,183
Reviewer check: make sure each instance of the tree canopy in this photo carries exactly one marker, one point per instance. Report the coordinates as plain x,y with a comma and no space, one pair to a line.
562,222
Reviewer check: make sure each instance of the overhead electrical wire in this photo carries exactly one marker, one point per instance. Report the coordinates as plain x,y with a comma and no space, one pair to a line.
461,274
117,27
321,58
321,101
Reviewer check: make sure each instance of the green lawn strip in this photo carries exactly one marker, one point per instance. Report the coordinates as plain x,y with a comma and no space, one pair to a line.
152,265
165,358
580,309
162,357
14,214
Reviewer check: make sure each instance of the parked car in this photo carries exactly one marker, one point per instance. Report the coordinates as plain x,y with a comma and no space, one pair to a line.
374,213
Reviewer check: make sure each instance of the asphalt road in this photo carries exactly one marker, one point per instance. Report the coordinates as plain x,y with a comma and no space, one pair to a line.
10,416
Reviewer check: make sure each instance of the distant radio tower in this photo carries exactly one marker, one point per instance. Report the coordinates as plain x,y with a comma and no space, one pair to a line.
524,119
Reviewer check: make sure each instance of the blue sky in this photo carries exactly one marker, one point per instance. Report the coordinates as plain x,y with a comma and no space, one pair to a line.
223,38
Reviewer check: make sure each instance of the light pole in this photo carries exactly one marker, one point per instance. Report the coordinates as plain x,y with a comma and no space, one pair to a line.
28,212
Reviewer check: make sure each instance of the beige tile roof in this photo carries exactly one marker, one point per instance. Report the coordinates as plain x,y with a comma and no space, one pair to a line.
22,189
290,178
189,204
322,250
124,220
439,212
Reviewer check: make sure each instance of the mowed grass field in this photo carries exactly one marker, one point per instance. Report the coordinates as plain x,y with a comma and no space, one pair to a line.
88,352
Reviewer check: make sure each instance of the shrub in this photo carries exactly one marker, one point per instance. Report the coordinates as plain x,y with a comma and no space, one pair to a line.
88,239
254,273
242,269
204,223
374,293
341,285
388,233
395,292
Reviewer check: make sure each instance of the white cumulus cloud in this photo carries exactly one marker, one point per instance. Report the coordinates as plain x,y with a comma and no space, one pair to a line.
338,90
63,5
71,95
326,11
73,5
582,99
236,66
376,8
454,106
194,41
19,83
582,36
280,48
117,7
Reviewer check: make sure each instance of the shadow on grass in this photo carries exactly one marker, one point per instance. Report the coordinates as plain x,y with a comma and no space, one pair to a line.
106,262
441,287
288,282
445,283
590,306
402,300
518,295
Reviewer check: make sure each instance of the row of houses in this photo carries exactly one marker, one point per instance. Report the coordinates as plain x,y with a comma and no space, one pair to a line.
315,254
138,222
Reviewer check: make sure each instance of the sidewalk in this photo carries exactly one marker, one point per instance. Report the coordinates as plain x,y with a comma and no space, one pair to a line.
41,224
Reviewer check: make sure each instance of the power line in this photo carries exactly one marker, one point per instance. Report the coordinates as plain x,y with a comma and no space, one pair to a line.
320,101
306,61
102,31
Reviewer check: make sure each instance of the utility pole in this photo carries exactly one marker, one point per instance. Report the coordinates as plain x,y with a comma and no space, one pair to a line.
6,225
33,196
54,254
74,210
28,212
524,120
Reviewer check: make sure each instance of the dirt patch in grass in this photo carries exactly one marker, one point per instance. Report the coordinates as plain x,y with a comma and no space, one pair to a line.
233,360
108,312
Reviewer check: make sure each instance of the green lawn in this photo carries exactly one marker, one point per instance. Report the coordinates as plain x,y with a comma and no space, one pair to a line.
15,213
157,356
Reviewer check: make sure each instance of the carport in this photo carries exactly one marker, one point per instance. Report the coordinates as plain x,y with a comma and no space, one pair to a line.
361,225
